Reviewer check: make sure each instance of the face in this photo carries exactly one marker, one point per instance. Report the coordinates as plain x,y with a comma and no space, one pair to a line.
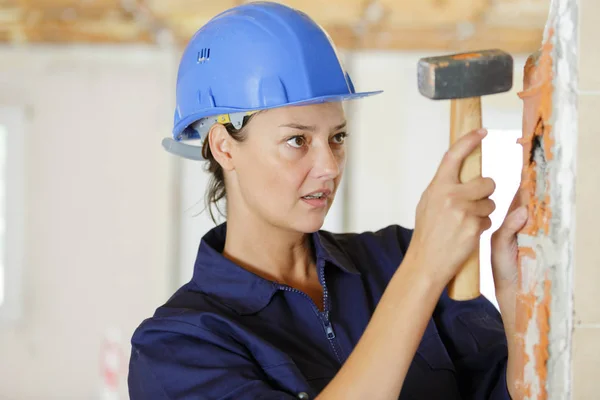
288,169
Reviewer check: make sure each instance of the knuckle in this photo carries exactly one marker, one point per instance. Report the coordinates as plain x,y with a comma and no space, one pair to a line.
448,203
450,156
472,227
427,195
446,156
461,215
451,202
476,225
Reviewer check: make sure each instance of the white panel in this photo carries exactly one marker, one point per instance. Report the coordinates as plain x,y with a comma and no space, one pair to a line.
98,210
195,219
398,138
12,209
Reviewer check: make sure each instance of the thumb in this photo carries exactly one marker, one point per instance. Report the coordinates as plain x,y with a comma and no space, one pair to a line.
513,223
449,168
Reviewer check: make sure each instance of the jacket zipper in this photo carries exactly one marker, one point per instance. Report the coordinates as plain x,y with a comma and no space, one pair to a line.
323,316
328,326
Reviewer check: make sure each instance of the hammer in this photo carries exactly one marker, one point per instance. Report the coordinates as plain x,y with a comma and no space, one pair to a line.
464,78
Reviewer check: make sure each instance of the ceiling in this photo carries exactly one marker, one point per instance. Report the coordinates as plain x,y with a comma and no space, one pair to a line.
513,25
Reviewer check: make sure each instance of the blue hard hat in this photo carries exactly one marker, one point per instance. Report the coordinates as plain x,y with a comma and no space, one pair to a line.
256,56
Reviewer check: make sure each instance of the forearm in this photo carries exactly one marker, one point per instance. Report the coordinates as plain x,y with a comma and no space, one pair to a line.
507,303
378,365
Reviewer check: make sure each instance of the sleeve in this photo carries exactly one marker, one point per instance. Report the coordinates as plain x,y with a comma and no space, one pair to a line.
473,333
474,336
168,365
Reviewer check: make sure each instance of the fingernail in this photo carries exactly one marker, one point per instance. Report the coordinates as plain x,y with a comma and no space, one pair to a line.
482,131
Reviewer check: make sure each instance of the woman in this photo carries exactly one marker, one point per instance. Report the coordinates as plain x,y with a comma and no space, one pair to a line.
279,309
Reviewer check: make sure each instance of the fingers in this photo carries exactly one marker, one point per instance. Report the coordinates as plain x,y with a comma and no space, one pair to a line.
515,219
476,226
478,188
513,223
485,224
449,168
483,208
518,200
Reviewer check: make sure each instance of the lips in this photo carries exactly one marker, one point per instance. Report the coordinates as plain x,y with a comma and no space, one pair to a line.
317,199
317,195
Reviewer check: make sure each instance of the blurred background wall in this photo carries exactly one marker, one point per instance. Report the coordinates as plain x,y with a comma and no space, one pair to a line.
102,225
97,211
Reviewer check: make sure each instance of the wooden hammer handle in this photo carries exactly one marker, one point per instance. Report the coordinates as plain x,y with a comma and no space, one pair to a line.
465,116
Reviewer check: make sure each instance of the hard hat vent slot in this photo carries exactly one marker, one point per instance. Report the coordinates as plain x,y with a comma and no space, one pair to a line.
203,55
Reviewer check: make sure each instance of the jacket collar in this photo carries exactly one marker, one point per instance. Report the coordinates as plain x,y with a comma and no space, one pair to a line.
242,290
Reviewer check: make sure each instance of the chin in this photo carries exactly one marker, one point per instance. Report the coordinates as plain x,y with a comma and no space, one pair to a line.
309,224
303,221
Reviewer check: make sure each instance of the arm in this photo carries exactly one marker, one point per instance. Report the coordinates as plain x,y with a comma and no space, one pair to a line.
483,343
178,362
474,334
450,219
391,338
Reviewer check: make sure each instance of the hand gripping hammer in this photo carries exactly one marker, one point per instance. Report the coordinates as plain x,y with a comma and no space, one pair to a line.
464,78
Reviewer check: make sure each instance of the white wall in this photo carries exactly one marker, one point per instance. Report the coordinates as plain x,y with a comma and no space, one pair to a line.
98,199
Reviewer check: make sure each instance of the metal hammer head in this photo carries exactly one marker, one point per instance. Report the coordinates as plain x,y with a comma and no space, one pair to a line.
463,75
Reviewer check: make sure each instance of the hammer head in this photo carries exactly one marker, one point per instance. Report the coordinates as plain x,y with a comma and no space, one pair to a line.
463,75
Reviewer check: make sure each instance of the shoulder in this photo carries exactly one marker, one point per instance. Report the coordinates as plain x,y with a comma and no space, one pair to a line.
184,315
385,247
392,236
189,347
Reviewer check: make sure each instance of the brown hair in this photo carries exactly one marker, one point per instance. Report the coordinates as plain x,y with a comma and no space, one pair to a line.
216,190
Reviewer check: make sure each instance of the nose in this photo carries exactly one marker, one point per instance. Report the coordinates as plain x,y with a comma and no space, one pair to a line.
326,162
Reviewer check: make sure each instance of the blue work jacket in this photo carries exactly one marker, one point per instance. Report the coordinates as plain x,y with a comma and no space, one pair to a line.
230,334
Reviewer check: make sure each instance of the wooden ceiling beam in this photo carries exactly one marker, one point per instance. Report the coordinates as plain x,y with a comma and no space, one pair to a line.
77,32
523,40
428,13
430,25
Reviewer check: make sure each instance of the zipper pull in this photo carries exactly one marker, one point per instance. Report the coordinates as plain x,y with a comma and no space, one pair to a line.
328,327
329,330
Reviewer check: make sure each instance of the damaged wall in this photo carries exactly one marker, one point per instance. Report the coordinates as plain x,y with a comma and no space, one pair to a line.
546,243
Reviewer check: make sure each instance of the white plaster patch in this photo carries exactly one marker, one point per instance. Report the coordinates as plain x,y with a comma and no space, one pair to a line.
554,254
534,275
562,173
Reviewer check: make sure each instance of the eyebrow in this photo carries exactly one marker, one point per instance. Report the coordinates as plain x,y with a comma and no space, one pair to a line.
311,128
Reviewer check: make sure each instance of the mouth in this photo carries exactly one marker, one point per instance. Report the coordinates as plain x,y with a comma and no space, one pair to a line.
317,198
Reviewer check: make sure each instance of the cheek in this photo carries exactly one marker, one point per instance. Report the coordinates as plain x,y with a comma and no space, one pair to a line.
279,177
292,177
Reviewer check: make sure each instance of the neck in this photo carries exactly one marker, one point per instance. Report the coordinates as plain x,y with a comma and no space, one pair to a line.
269,251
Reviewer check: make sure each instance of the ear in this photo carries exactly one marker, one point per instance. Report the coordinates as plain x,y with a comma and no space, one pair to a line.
220,146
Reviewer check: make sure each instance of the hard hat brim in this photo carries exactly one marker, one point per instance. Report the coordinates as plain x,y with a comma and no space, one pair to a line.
179,128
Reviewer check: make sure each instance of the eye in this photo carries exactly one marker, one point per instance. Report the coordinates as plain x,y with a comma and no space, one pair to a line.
340,138
296,141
